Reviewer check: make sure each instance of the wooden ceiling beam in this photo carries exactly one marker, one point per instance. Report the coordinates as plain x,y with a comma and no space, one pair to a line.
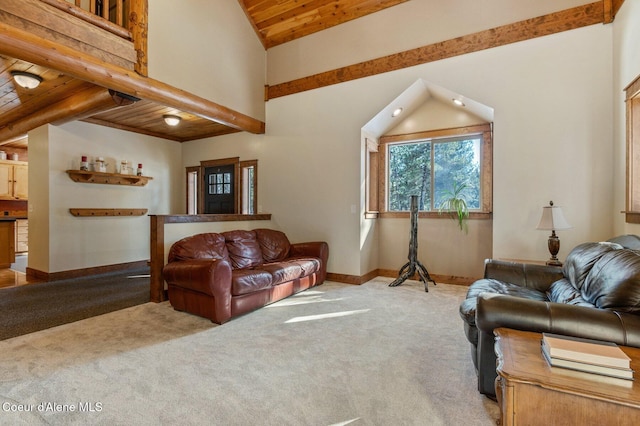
14,139
577,17
611,7
28,47
80,105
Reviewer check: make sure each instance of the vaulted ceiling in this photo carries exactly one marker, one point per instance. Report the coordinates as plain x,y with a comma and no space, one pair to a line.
280,21
61,97
275,22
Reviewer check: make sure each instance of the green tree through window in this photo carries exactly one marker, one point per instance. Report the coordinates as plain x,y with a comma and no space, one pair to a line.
429,168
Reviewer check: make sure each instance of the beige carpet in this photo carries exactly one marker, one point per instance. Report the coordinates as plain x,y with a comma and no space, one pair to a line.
335,354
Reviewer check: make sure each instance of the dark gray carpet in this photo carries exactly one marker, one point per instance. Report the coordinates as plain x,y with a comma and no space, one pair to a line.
34,307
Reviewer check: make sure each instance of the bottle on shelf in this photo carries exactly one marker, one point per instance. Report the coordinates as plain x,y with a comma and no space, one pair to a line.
139,172
99,165
84,165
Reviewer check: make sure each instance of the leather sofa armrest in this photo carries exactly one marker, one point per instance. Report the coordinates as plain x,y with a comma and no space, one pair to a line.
538,277
319,249
499,310
209,276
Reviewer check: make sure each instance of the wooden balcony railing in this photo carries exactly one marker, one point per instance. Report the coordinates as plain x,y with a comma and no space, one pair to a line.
125,18
111,10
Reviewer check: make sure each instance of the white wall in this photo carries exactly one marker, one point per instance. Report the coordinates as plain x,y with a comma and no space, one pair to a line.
38,213
210,49
552,101
402,27
552,105
84,242
626,53
552,140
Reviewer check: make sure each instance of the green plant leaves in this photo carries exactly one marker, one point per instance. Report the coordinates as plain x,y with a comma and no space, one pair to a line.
455,204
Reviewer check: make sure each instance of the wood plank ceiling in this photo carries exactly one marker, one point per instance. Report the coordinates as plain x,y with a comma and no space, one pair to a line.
275,22
280,21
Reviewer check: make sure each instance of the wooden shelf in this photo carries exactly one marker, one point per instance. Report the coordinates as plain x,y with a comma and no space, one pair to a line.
107,178
107,212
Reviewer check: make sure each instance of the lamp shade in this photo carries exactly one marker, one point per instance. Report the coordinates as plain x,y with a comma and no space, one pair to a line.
552,219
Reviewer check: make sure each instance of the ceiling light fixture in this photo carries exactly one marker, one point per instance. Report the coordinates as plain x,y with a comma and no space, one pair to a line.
458,102
172,120
26,79
396,112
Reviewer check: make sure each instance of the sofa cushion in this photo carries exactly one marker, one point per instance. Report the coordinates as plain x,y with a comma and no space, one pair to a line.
244,250
309,265
627,241
614,282
582,258
274,244
200,246
282,272
562,291
244,281
489,285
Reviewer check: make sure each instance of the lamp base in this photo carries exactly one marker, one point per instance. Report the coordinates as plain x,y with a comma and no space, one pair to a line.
554,248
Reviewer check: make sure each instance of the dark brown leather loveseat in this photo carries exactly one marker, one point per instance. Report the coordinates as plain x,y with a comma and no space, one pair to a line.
222,275
596,294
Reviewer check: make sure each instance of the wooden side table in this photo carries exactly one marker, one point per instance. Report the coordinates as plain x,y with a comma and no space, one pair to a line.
530,392
530,262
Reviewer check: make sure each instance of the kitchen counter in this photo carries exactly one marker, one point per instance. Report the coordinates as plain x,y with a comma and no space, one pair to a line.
12,214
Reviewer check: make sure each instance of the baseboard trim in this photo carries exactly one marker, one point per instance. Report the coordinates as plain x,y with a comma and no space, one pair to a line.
352,279
390,273
77,273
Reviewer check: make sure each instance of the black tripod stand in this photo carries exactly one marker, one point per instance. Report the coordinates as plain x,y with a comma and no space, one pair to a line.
413,265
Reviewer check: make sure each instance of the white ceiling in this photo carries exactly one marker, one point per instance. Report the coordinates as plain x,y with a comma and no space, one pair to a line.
416,95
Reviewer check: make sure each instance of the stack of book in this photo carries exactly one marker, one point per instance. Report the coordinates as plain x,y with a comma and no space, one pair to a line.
591,356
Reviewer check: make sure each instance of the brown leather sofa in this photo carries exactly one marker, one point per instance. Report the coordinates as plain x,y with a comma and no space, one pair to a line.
222,275
596,294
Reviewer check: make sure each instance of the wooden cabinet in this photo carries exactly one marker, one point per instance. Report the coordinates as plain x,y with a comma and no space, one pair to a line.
7,243
22,236
530,392
14,180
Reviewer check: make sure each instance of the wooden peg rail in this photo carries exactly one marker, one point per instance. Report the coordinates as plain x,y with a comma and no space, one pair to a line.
107,212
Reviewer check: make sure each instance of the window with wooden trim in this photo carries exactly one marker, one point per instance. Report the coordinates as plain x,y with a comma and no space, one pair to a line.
222,186
371,178
249,186
193,175
632,96
429,164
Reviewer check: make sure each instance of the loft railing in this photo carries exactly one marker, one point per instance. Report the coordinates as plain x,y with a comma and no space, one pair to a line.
125,18
112,10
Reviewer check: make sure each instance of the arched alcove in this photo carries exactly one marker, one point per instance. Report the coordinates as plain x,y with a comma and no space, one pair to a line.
424,111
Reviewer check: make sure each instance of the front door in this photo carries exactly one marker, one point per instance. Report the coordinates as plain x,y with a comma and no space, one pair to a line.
219,189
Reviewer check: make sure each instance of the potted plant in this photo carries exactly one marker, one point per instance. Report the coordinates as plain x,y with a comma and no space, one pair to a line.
455,203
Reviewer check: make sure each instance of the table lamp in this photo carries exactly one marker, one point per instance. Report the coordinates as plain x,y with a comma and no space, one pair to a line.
552,219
